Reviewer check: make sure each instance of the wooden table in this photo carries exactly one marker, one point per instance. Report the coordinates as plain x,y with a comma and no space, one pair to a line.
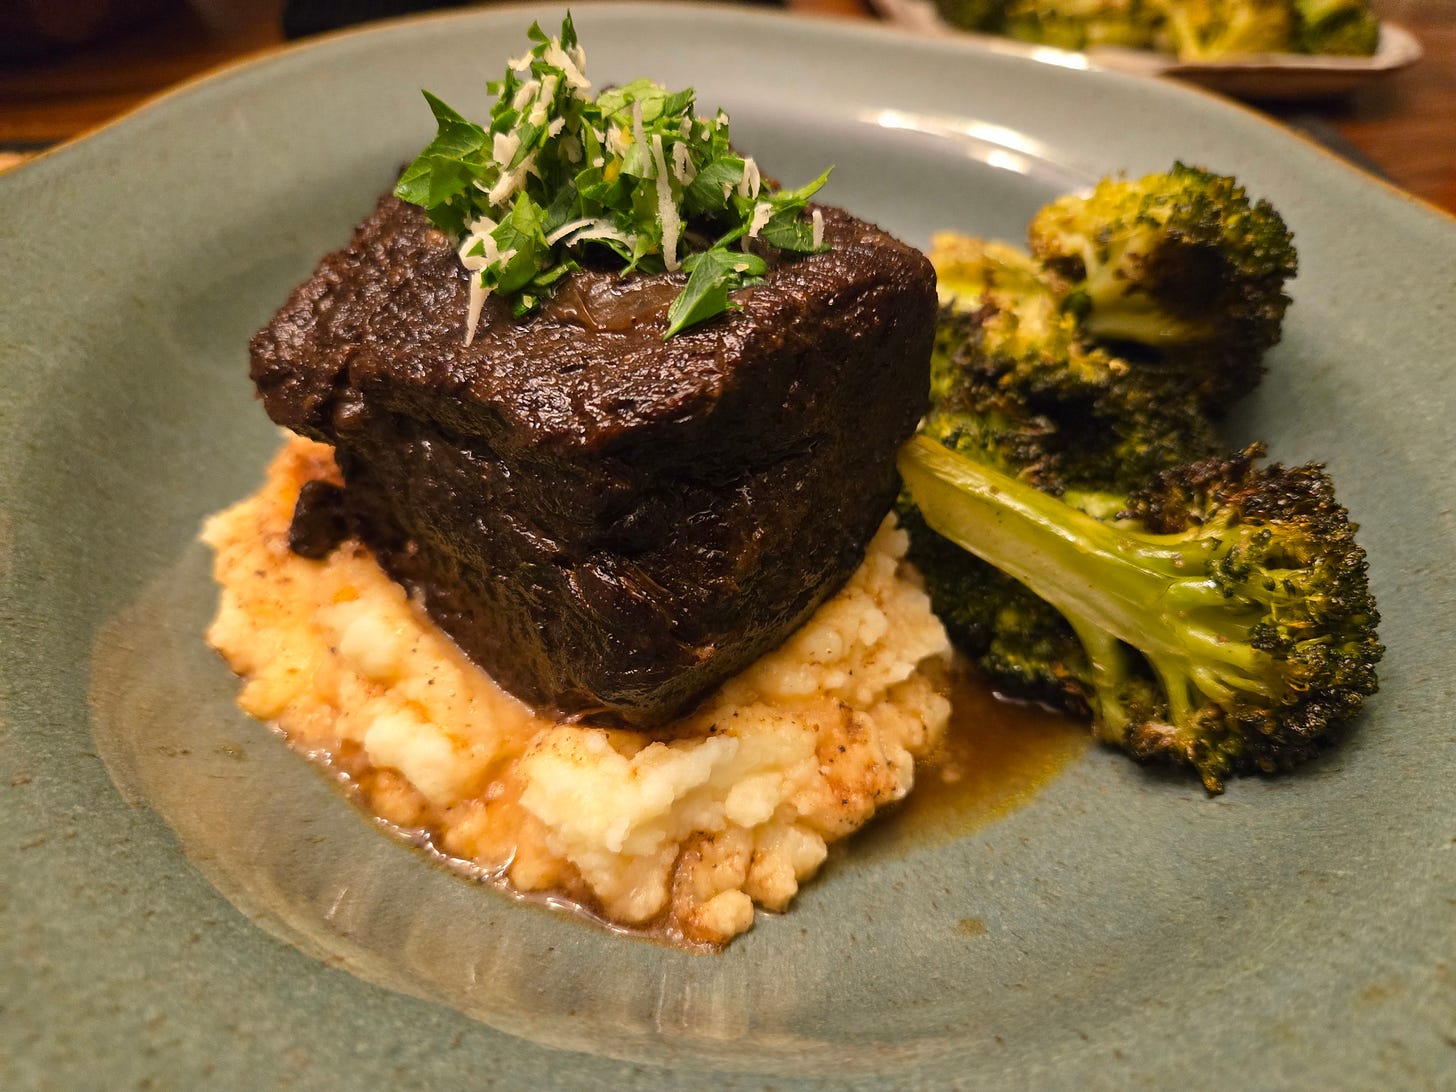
1403,127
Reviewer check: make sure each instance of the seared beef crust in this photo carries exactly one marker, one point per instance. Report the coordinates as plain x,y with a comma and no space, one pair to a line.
609,523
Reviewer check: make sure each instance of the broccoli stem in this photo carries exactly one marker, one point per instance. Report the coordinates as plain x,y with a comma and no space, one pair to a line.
1108,659
1125,319
1120,312
1150,591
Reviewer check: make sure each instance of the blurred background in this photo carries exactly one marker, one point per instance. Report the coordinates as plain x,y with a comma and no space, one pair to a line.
67,66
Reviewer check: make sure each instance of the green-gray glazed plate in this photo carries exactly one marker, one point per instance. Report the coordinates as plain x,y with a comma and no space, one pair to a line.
186,903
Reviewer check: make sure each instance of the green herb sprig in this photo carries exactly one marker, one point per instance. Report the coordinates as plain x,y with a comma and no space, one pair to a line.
633,170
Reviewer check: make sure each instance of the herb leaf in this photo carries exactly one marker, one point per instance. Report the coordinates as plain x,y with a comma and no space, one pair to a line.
712,274
633,172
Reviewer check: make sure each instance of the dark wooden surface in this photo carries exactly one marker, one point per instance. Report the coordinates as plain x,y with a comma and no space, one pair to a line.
1403,127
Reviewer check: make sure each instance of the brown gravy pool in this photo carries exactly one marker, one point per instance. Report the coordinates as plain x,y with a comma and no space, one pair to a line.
998,755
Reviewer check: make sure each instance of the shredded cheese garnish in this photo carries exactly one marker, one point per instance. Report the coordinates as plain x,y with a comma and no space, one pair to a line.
571,66
525,94
503,147
601,229
574,226
478,251
762,213
748,185
666,208
544,100
682,164
555,167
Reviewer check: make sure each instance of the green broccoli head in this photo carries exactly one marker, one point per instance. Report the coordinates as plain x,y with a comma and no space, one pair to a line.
1207,30
1015,383
1182,264
1344,27
1082,24
1287,584
1058,414
969,269
1226,620
989,290
1013,388
1000,430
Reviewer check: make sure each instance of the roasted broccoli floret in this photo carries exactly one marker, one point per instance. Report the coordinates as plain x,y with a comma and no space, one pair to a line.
1057,413
1346,27
1095,554
1014,381
1181,264
1207,30
1226,619
1081,24
989,290
967,269
1014,386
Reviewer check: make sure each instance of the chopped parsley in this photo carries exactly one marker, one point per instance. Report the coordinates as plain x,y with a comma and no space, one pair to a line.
633,170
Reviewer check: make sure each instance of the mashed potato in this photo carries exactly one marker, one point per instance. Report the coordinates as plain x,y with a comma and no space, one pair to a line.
732,806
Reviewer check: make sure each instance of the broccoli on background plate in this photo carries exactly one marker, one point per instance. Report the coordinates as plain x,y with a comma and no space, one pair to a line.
1193,30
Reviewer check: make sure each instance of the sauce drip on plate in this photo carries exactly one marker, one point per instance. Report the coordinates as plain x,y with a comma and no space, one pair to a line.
998,755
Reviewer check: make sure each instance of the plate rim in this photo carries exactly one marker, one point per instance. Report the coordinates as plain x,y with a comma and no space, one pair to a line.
1284,134
863,29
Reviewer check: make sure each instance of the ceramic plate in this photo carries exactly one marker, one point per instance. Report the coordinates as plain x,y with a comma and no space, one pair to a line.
185,899
1284,76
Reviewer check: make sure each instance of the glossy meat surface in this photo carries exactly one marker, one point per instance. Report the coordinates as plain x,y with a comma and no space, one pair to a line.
608,523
